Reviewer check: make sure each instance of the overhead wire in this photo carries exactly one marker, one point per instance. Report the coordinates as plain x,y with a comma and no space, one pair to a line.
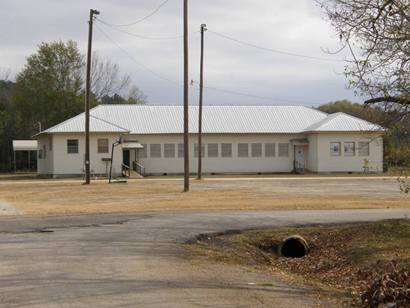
272,99
277,51
156,10
139,36
217,89
133,59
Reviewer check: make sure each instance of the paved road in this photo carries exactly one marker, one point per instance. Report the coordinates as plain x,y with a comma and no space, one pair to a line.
137,260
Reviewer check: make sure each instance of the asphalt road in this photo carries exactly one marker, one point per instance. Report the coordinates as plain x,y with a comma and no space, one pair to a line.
138,260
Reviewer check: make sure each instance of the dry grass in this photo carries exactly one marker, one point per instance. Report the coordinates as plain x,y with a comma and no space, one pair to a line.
54,197
341,257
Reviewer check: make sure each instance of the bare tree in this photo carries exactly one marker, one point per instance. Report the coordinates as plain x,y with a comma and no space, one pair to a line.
377,34
136,96
5,74
106,78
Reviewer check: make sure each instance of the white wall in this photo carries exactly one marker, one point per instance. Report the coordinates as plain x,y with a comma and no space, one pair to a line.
45,164
328,163
233,164
73,164
59,162
313,159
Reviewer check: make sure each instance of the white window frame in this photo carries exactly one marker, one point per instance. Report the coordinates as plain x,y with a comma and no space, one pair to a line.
281,147
169,150
270,149
71,147
360,148
242,148
102,149
156,149
180,150
332,148
256,150
349,153
226,150
196,150
213,150
143,153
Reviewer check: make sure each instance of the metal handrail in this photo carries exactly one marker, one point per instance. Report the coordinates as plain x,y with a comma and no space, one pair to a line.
138,168
126,171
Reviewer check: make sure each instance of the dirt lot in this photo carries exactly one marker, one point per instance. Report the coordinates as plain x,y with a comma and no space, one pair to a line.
70,197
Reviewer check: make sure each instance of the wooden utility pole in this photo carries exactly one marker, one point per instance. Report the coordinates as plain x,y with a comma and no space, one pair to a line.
87,97
201,89
186,102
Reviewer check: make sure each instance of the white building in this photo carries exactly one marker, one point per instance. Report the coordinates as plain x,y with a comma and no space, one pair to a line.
236,139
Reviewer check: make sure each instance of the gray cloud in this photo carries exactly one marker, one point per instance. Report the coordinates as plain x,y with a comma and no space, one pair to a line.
294,26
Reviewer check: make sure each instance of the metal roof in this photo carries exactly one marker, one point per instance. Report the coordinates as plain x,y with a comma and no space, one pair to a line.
77,125
24,145
146,119
340,121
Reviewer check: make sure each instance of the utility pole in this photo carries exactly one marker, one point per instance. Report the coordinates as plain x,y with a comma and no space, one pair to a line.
87,97
201,89
186,102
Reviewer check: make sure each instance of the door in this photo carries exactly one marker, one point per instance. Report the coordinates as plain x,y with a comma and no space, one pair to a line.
300,157
126,157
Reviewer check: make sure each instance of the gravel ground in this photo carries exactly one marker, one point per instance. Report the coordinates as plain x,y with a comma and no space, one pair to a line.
138,260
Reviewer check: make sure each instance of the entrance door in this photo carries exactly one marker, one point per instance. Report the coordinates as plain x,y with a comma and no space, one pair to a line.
126,157
299,157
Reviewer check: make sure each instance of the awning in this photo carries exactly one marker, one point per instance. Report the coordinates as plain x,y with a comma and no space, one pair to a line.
131,145
299,141
24,145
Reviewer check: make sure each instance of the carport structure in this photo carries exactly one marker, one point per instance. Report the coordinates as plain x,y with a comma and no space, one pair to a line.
25,155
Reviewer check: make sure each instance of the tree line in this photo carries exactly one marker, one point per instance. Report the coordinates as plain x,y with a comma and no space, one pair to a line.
50,89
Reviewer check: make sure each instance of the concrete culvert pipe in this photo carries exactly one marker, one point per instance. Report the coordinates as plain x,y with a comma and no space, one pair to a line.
293,246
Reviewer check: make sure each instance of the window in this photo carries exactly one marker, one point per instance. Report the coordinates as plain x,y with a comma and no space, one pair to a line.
143,153
283,149
335,149
72,146
50,143
40,154
169,150
44,151
226,150
270,150
243,150
196,150
180,150
213,150
256,149
102,145
155,150
349,149
364,149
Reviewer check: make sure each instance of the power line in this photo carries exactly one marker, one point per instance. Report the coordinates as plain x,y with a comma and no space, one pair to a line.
274,50
159,7
272,99
133,59
232,92
139,36
144,37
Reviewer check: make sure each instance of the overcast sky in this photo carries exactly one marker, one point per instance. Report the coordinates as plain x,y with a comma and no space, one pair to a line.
296,26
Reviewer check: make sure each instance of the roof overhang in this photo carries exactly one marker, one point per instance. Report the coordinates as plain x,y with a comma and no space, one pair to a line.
25,145
132,145
303,141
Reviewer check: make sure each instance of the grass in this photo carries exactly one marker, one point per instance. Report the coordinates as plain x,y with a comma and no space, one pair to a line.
58,197
344,257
